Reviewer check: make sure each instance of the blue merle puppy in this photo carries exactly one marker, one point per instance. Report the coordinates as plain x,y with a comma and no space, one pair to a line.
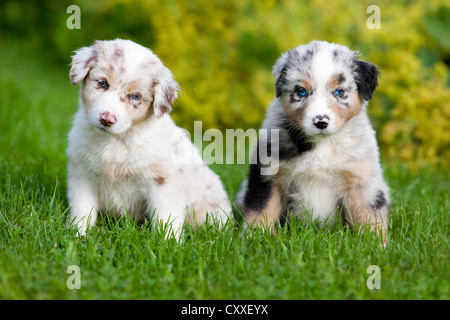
328,154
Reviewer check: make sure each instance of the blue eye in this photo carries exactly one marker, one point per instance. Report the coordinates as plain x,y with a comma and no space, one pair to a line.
302,93
338,92
135,96
103,83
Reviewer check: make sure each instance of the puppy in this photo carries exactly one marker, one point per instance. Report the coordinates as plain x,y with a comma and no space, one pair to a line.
328,155
124,148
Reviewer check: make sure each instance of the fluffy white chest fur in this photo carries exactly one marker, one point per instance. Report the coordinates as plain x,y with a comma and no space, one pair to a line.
118,168
140,176
314,182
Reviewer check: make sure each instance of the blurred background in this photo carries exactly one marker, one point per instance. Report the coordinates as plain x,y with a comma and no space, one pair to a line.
222,53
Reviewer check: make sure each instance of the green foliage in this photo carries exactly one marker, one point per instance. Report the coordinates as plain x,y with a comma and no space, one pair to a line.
222,52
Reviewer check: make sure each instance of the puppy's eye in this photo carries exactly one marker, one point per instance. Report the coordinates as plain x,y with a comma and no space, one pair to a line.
135,96
103,84
302,92
338,92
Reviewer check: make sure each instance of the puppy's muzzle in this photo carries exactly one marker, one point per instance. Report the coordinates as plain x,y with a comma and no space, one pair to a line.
107,119
321,122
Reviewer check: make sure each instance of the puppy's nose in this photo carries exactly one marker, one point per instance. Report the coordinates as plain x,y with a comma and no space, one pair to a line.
107,119
321,122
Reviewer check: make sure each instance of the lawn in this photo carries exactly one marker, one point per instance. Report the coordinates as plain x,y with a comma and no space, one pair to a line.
120,259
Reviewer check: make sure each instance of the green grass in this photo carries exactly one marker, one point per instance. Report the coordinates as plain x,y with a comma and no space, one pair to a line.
120,259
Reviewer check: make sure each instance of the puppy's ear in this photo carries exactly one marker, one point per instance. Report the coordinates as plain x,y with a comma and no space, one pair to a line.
287,61
165,91
366,78
279,71
82,61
